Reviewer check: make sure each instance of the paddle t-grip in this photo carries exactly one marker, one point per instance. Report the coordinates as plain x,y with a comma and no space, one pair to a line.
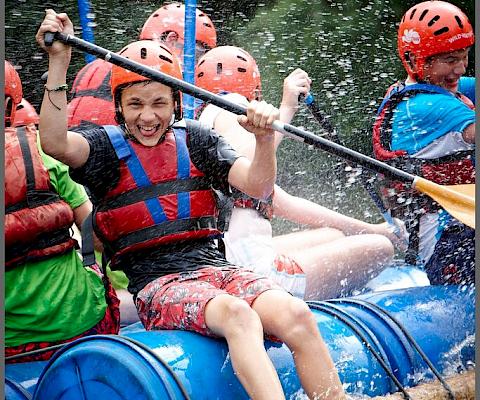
49,38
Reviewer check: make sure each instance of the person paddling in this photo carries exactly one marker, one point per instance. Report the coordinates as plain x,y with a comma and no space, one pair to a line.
426,126
154,176
50,298
339,253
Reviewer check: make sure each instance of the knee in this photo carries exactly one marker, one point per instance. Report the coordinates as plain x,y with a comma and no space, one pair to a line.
299,325
379,247
241,319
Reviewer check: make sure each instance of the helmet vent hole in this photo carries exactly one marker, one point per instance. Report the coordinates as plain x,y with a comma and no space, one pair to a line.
143,53
164,58
242,58
459,21
412,13
422,15
219,68
440,31
200,75
155,15
240,69
200,63
433,20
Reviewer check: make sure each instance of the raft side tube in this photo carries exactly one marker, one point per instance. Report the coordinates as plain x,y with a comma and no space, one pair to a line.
441,319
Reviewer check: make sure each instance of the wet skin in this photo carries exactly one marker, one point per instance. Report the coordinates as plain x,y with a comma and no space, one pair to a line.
147,108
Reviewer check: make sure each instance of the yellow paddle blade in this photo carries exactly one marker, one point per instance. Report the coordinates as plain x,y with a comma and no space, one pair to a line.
468,190
458,200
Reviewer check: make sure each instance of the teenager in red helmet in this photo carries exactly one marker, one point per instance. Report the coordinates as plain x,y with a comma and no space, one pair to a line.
50,298
426,125
167,24
157,216
313,264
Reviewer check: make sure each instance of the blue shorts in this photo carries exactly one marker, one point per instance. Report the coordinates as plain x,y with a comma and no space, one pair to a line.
453,259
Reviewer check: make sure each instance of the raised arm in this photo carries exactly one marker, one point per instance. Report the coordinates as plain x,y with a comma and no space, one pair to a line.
257,178
68,147
295,84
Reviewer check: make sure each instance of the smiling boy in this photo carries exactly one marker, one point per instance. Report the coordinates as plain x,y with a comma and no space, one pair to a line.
154,177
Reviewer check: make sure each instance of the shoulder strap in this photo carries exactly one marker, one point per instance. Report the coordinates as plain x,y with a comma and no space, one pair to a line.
402,90
88,250
27,158
118,141
183,171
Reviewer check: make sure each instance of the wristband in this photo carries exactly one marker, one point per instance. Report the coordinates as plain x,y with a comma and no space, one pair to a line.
59,88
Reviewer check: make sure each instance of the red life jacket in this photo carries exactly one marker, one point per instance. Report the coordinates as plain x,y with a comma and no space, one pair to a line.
92,102
161,197
37,220
403,201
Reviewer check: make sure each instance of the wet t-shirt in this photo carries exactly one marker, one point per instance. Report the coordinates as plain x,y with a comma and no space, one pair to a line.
209,153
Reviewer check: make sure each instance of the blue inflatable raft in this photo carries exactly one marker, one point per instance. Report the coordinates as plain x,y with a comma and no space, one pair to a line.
179,365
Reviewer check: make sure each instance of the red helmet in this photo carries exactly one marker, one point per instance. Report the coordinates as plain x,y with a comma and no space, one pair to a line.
171,18
92,96
230,69
430,28
25,114
152,54
13,90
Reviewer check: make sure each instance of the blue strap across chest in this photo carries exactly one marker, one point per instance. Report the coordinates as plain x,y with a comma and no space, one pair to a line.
417,87
183,172
126,153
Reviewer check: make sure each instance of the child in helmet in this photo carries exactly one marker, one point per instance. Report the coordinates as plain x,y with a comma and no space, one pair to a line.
50,298
314,264
156,216
426,125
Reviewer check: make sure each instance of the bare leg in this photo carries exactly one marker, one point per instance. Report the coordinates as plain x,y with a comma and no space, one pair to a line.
343,265
234,319
290,319
299,241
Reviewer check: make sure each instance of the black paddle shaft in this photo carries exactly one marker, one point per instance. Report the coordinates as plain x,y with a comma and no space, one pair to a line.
185,87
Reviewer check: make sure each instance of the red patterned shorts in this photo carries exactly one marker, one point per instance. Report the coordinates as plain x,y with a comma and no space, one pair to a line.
289,275
178,301
110,324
